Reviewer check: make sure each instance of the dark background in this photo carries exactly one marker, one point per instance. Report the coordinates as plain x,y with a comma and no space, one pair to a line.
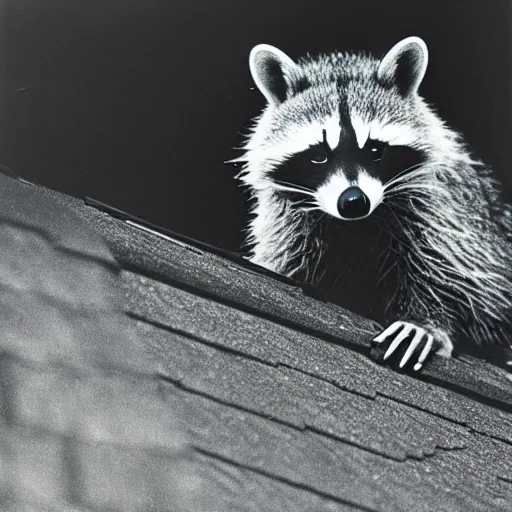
138,103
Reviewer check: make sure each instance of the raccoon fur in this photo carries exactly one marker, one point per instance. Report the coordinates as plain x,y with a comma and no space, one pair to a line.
360,189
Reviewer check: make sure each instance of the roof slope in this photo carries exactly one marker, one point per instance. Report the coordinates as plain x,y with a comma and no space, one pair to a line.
173,376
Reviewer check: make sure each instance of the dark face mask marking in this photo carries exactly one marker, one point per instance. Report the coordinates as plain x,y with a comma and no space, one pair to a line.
312,167
385,162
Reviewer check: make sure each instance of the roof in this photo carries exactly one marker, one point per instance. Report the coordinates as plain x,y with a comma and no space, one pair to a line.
144,371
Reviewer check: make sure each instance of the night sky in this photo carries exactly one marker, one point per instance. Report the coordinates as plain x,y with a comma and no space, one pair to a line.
139,103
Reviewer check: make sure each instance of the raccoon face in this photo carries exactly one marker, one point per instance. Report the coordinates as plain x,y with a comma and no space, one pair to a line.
340,128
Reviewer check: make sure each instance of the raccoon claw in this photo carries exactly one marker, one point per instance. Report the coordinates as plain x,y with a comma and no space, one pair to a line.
399,334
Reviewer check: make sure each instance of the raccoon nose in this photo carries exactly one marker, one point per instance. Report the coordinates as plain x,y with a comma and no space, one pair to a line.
353,203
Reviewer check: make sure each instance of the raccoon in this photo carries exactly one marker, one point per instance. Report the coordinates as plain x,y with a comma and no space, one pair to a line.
360,189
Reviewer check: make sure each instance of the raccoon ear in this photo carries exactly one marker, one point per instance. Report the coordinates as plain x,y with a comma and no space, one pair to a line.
269,68
405,65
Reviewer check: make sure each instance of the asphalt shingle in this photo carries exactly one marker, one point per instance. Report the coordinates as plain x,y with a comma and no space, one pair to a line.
29,206
271,343
172,376
300,400
442,482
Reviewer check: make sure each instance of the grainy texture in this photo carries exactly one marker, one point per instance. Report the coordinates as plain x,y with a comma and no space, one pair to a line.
448,480
83,424
178,379
292,398
223,327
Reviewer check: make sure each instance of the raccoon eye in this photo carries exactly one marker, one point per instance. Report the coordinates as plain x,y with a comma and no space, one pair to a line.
319,159
318,155
375,149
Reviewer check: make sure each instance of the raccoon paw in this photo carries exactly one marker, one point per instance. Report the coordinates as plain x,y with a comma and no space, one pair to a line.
410,341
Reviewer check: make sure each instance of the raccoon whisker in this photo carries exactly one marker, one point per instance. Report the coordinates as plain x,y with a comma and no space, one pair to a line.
406,173
414,176
285,188
408,170
420,188
304,202
415,184
294,185
405,181
310,209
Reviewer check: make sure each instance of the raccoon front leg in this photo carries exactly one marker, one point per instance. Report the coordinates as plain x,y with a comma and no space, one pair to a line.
414,341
